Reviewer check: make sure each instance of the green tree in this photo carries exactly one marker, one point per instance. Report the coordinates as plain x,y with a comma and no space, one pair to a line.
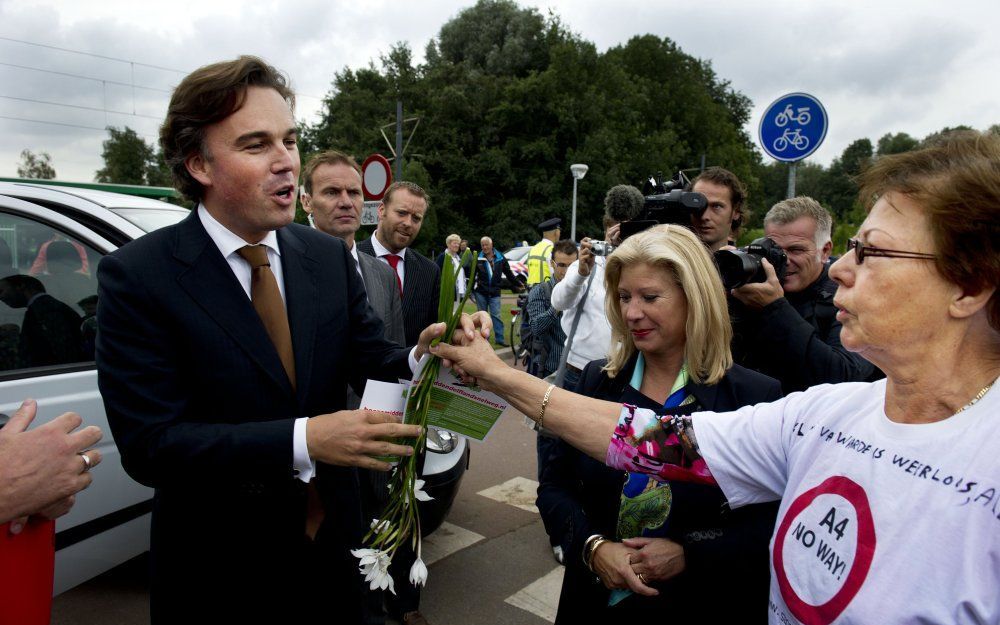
128,159
509,98
896,144
36,166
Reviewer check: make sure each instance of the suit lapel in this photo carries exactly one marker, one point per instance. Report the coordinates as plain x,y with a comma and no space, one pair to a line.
301,295
373,285
210,282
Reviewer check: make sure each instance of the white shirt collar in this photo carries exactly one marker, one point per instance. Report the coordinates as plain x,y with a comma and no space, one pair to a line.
381,250
226,240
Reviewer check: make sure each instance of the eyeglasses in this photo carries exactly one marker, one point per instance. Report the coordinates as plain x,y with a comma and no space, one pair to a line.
861,251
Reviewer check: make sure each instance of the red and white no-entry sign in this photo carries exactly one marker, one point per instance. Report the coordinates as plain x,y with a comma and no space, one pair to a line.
376,176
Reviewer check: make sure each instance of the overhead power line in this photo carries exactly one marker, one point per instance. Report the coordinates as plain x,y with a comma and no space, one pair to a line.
40,121
101,80
96,56
81,107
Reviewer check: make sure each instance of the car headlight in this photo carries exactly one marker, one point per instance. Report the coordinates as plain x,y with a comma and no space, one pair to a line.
440,441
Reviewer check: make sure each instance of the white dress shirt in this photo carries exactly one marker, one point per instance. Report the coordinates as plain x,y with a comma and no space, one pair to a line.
382,251
229,245
593,335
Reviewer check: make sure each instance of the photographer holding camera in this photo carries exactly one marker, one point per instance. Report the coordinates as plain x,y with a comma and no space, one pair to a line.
787,328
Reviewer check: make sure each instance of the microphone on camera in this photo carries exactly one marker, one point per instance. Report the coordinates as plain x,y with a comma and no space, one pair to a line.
623,202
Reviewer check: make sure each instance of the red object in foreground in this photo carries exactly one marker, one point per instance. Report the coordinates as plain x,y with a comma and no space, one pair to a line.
27,565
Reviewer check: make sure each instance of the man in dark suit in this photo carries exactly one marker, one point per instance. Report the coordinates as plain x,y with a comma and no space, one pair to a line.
224,347
419,280
333,199
399,219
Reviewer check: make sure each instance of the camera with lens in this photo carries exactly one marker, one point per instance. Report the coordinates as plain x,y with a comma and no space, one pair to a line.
601,248
743,265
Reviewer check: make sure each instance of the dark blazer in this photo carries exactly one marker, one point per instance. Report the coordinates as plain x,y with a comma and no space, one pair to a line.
726,551
421,288
383,295
202,411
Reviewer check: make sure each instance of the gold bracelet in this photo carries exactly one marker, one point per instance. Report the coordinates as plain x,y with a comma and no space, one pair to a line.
545,402
593,543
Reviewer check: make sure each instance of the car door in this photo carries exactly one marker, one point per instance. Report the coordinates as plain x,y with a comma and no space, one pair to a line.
48,299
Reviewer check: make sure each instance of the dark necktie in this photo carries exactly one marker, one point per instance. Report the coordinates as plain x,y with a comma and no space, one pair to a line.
267,302
393,260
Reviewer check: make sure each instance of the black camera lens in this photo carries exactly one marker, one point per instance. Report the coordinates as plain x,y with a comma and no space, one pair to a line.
737,268
743,265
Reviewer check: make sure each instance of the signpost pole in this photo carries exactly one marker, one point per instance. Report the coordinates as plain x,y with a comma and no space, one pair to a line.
399,139
791,179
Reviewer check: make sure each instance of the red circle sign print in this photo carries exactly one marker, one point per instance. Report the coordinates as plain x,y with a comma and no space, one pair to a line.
376,176
848,519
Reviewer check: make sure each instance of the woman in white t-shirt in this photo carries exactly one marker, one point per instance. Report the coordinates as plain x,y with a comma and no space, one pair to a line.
890,491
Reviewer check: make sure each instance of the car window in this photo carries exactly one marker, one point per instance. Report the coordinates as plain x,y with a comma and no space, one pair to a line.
150,219
48,296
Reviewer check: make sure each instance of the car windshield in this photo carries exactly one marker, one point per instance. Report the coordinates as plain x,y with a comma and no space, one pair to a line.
517,254
150,219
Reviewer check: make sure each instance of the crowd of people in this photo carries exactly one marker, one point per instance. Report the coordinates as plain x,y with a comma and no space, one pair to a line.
815,447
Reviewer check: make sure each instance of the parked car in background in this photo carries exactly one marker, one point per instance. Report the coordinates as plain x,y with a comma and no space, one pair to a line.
517,258
58,235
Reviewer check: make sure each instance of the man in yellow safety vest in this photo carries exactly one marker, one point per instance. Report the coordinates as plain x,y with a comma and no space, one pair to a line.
540,255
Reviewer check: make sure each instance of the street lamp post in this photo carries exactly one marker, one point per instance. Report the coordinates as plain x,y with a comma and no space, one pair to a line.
579,170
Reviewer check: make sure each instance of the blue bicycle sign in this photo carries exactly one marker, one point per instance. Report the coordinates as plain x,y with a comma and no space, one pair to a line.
793,127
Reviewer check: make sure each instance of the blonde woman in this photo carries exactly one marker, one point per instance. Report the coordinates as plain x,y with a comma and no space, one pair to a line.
670,353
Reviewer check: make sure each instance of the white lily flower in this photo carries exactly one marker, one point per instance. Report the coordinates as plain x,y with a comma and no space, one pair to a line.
374,566
418,491
418,573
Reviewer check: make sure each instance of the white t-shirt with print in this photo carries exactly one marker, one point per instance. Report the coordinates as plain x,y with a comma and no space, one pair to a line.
880,522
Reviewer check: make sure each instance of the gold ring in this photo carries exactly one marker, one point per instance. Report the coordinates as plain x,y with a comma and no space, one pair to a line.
642,579
86,462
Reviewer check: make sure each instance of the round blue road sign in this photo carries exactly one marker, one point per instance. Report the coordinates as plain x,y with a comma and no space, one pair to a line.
793,127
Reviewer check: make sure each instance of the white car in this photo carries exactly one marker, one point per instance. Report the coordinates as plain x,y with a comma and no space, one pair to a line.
57,235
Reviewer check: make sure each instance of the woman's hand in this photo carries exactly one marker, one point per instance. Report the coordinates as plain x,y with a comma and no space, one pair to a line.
473,360
657,559
613,564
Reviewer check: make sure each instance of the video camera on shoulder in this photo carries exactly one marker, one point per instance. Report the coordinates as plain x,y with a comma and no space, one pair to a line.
663,202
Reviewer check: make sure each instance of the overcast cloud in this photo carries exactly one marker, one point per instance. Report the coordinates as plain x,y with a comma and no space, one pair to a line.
913,66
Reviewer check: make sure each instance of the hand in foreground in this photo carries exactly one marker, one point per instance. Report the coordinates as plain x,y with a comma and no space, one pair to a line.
760,294
475,359
586,256
613,564
657,559
351,438
469,326
41,469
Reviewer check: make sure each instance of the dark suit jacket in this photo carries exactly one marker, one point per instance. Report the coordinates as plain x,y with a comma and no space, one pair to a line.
202,411
726,575
383,295
421,289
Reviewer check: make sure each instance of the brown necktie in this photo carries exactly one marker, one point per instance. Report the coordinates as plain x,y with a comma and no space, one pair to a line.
269,306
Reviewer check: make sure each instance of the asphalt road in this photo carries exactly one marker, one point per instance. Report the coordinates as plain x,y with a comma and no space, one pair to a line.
490,562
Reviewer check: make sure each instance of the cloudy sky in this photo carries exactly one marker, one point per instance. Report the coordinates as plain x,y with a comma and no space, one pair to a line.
878,67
